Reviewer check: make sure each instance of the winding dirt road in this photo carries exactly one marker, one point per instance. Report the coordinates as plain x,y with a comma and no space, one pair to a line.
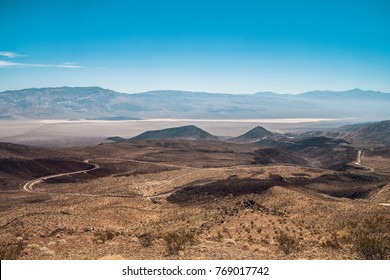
369,169
359,158
29,186
359,162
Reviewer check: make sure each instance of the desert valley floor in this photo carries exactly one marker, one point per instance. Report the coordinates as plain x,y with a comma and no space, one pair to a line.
182,199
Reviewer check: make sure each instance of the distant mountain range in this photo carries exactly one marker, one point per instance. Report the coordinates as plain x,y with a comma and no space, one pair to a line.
98,103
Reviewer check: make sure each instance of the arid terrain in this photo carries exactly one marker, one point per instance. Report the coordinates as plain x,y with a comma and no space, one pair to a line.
195,130
187,199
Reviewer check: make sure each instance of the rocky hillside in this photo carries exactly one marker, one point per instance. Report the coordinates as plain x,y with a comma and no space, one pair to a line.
366,133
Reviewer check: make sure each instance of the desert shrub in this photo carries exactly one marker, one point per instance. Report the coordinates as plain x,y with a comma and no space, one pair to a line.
146,239
69,231
332,243
109,234
11,251
219,236
177,240
287,243
371,239
103,236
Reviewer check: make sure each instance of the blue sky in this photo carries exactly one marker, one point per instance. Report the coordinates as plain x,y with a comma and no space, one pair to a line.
216,46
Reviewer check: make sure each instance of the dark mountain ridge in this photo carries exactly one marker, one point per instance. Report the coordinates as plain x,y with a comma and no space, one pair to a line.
255,134
188,132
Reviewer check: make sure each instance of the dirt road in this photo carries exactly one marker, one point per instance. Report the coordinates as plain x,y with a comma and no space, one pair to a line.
29,186
359,162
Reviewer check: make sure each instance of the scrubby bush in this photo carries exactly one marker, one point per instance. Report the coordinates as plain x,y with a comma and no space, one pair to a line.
11,251
146,239
287,243
332,243
109,234
371,239
103,236
177,240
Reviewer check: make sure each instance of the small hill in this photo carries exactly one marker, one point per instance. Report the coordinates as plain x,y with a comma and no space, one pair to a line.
256,134
116,139
188,132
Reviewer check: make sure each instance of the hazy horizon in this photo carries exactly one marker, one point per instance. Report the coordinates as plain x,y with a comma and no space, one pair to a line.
219,46
200,91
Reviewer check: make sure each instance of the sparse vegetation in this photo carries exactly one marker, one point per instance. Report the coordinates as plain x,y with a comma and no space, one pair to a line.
102,236
333,242
219,236
287,243
61,230
11,251
177,240
371,239
109,234
146,239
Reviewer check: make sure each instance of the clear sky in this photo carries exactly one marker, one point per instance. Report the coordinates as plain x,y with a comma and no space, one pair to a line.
241,46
